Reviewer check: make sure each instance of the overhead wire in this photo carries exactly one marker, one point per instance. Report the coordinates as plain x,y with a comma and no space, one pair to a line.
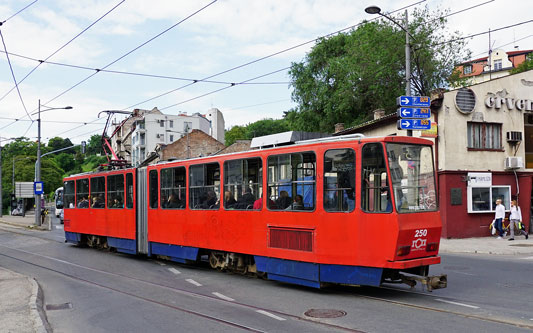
129,73
126,54
62,47
9,18
13,75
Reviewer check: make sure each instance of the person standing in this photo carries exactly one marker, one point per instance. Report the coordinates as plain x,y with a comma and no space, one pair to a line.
498,217
515,218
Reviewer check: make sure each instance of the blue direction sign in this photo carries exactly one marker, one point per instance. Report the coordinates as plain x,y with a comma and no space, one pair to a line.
414,124
419,113
413,101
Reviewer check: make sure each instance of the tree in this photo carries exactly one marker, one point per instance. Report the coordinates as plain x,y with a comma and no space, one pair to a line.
525,66
234,133
259,128
94,145
57,143
347,76
65,161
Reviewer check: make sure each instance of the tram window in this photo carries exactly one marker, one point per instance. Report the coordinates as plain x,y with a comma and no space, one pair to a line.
339,180
68,195
153,188
204,186
375,190
243,184
82,193
98,192
173,188
292,181
129,190
115,191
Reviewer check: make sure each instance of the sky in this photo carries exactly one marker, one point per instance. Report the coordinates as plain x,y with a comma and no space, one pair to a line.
201,51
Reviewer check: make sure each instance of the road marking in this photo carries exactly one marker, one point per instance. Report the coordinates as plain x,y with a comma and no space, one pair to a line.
161,263
191,281
456,303
527,258
175,271
270,315
465,273
219,295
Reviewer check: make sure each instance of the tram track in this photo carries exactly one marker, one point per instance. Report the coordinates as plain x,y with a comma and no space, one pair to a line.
491,319
173,289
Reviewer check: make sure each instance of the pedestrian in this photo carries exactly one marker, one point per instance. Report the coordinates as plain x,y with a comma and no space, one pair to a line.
516,219
498,217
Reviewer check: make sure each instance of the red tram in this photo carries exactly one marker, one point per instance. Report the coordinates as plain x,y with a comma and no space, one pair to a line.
349,210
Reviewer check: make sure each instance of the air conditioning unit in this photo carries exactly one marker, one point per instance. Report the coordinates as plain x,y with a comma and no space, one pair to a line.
514,136
514,162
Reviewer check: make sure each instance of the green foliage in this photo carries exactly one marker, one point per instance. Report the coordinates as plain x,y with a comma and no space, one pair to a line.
259,128
235,133
525,66
94,145
92,162
347,76
57,143
65,161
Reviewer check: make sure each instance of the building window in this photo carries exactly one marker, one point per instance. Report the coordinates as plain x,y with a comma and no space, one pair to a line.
171,138
484,136
171,123
497,64
161,123
483,199
292,181
339,180
467,69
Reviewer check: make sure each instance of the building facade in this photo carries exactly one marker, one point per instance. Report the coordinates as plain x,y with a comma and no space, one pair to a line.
498,64
483,148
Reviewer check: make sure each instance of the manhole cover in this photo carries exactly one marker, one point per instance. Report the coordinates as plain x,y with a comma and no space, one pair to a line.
63,306
522,245
325,313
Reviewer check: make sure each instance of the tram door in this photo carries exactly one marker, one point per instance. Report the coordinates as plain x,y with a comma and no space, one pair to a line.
142,211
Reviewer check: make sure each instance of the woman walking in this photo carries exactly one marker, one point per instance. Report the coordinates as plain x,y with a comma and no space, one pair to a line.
515,218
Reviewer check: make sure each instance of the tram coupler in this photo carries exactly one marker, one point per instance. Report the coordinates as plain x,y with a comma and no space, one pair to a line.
431,282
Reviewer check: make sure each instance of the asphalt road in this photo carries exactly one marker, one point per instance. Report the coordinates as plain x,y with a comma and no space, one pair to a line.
87,290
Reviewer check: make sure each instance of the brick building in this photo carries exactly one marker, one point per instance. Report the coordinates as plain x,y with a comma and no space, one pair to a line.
196,144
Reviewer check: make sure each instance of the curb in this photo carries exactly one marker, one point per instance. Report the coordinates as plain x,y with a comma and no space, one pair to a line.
35,304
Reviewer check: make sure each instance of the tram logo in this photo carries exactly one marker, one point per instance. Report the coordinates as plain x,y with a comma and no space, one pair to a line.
418,244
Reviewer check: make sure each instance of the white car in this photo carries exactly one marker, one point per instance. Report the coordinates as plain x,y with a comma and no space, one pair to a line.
61,215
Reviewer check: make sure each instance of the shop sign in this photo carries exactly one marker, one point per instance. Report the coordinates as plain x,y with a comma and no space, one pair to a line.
500,99
479,179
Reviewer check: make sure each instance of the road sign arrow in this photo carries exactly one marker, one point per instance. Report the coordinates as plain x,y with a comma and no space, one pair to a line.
405,112
406,123
405,101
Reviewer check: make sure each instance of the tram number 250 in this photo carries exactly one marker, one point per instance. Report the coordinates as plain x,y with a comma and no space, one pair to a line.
421,233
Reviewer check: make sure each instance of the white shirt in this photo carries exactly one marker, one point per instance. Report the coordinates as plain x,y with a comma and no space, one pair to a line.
500,211
516,214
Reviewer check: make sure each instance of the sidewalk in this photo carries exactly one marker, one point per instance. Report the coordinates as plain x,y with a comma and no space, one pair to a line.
487,245
27,221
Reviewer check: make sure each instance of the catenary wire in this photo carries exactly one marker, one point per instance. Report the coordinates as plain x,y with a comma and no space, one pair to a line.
13,75
62,47
9,18
122,56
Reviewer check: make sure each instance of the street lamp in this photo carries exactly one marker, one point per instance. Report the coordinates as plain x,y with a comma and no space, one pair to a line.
38,163
377,10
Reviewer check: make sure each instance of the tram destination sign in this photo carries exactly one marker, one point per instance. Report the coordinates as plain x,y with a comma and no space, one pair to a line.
418,113
413,101
414,124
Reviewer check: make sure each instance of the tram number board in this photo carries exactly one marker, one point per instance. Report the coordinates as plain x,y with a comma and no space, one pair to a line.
413,101
414,124
418,113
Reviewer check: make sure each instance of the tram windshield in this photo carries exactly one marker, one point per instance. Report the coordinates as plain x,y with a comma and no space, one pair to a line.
412,177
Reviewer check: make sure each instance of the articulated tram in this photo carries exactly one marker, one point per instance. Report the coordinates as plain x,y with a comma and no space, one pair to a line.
341,210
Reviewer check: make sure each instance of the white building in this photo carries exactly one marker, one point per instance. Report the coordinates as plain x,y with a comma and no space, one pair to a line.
140,135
